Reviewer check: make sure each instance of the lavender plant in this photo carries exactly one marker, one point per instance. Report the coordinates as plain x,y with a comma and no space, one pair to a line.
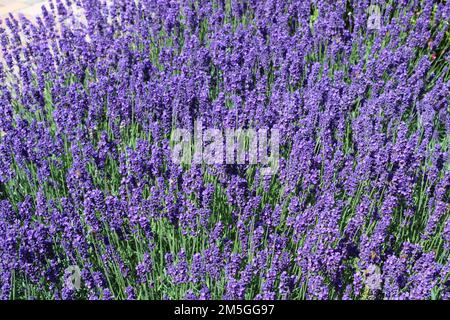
91,91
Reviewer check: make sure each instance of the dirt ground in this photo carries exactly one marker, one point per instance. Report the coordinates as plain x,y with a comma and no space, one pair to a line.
28,8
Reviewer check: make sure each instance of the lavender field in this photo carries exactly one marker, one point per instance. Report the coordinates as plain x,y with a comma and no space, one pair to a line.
356,204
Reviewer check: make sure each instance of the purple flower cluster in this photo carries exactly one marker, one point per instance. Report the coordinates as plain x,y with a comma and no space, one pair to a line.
360,206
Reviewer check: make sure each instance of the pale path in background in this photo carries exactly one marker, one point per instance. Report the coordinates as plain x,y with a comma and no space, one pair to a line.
29,8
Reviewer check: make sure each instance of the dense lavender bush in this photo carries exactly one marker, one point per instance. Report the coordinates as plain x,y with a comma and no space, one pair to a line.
358,209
